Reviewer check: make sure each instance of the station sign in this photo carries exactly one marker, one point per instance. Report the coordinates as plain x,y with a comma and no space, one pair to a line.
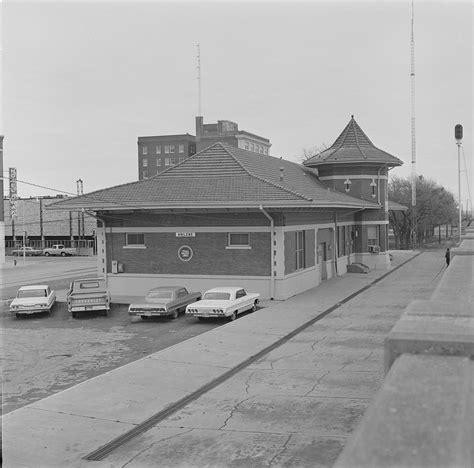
13,192
185,234
185,253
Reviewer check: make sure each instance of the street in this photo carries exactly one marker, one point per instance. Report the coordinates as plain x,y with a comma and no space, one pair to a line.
42,355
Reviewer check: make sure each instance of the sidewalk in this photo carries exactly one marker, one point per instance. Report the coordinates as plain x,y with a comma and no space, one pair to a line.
293,402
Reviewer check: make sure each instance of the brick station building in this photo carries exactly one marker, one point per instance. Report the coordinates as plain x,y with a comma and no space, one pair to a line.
227,216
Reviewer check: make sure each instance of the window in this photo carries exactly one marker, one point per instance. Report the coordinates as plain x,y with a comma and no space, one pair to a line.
171,148
144,150
246,146
347,185
373,186
266,150
145,162
167,161
182,292
372,235
134,239
145,174
181,148
240,293
158,150
251,146
167,149
158,161
239,240
300,254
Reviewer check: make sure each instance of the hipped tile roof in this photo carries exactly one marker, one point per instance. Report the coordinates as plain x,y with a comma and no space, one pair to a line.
353,146
221,176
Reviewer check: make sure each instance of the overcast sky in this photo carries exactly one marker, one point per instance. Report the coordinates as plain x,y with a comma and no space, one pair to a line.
81,81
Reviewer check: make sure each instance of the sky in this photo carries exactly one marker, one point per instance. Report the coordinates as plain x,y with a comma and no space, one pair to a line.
82,80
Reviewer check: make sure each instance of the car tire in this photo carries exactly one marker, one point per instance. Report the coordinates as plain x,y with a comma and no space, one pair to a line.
74,315
254,307
232,316
47,254
104,313
18,316
174,314
63,254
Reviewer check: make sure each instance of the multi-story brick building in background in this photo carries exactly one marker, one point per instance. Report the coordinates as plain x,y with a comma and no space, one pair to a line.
157,153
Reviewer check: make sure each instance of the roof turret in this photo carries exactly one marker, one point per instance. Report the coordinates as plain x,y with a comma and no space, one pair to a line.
353,146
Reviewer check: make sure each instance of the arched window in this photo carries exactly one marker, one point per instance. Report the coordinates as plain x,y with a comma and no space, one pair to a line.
347,185
373,186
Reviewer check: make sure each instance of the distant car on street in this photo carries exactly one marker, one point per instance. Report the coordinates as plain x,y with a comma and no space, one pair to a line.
223,302
88,295
27,251
32,300
59,249
164,301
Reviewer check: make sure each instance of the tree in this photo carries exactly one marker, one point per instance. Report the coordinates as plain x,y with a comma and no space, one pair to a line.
434,206
308,153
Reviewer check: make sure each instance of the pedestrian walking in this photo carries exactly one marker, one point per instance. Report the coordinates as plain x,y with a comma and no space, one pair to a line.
447,256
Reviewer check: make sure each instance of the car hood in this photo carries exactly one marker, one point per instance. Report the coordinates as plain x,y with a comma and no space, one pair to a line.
209,303
27,301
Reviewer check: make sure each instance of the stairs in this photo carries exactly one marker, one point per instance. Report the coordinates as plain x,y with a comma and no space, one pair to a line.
357,268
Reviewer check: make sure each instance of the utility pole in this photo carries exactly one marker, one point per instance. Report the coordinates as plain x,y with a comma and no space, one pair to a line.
79,188
458,134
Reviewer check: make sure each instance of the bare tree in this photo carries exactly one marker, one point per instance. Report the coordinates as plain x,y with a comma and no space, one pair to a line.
434,206
308,153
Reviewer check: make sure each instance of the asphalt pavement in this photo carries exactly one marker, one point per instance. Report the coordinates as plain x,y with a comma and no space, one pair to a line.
284,386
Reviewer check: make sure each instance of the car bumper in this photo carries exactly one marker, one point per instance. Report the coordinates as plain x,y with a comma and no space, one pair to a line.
206,314
148,313
35,310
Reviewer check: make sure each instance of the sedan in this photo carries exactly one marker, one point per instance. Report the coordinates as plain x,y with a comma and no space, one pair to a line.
223,302
32,300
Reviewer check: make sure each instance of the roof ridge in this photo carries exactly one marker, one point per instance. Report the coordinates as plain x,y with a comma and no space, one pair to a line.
356,137
262,179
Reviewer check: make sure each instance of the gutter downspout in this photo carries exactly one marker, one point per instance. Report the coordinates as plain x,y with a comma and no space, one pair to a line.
104,236
336,250
272,257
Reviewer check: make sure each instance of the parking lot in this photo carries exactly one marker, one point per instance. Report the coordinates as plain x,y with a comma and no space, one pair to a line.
44,354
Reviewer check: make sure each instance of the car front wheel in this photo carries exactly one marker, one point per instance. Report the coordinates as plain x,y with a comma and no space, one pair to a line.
233,316
174,314
47,254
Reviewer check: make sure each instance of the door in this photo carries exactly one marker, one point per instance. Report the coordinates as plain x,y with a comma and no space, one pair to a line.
322,256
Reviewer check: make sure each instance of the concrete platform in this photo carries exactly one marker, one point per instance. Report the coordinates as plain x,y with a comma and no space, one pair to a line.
421,417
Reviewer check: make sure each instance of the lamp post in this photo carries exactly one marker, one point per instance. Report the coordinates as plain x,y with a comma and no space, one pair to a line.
458,134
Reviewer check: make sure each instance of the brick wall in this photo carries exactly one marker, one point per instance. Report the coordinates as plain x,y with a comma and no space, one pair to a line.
210,256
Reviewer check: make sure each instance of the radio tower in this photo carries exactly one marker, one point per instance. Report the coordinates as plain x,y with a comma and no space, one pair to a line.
199,77
413,132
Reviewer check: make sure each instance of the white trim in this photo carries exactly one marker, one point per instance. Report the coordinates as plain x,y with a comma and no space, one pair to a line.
196,229
368,223
352,177
238,247
136,246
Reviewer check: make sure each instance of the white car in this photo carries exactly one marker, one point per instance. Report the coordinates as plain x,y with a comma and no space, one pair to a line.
33,299
223,302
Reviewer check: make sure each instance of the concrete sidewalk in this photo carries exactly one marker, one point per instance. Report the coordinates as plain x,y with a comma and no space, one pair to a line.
252,393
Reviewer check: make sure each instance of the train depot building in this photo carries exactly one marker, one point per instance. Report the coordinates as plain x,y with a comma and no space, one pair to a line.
226,216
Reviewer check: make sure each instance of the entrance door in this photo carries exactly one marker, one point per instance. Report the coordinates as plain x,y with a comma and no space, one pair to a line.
322,256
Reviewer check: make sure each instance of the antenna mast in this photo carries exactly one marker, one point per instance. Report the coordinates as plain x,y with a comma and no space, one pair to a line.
413,131
199,77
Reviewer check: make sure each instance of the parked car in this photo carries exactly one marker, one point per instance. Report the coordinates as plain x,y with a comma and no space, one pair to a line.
27,251
32,300
87,295
164,300
223,302
59,249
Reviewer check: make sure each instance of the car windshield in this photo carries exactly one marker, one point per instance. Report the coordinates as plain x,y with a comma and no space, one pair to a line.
160,294
32,293
217,295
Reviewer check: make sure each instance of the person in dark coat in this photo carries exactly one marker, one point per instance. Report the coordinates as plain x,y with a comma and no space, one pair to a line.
447,256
